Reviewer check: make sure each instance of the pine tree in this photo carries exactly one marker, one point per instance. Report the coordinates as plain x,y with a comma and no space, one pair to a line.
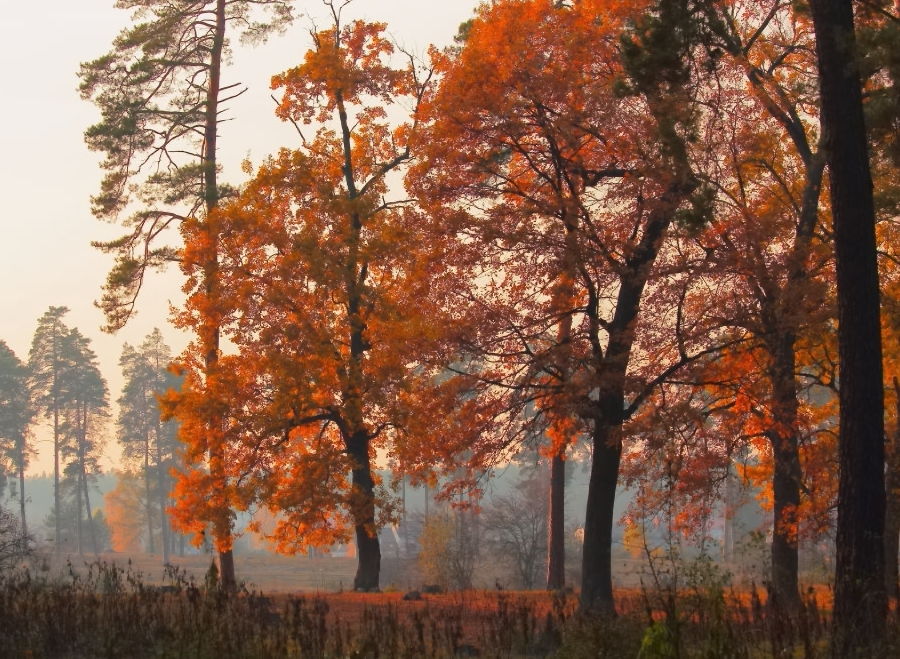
46,363
85,409
146,440
16,415
860,605
161,97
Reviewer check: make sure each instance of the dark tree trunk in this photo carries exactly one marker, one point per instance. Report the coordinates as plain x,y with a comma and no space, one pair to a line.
556,524
226,570
860,604
608,411
363,509
596,576
786,479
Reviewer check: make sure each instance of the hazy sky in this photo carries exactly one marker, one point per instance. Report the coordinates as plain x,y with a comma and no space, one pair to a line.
47,174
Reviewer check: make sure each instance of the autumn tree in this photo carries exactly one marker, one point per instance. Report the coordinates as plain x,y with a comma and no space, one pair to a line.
162,98
327,289
769,267
557,154
515,529
47,362
125,507
16,416
147,441
860,603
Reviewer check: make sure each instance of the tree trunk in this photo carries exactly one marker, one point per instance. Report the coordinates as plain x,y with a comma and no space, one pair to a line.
561,424
82,481
148,498
362,505
556,525
226,571
860,605
90,515
210,331
728,522
56,448
786,478
163,495
22,493
78,511
596,579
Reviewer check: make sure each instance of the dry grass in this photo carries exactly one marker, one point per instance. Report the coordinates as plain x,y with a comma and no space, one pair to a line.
100,610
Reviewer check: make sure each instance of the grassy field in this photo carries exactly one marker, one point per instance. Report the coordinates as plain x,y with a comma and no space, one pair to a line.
261,572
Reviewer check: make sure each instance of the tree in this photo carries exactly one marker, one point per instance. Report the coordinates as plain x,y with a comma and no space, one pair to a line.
16,416
768,265
877,30
46,363
85,408
124,508
515,529
148,441
449,548
327,292
161,97
860,604
14,545
556,137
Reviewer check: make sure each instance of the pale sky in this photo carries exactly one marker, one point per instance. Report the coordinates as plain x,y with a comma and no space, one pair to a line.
47,175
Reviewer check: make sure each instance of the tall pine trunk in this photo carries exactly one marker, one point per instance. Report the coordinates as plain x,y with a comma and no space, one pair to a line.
860,604
22,495
78,511
56,450
148,498
211,330
89,514
163,495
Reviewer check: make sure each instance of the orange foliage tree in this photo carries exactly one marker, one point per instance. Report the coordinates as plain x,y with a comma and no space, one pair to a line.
764,251
124,511
330,295
557,158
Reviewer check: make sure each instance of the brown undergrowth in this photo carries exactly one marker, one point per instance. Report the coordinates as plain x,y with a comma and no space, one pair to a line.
104,610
